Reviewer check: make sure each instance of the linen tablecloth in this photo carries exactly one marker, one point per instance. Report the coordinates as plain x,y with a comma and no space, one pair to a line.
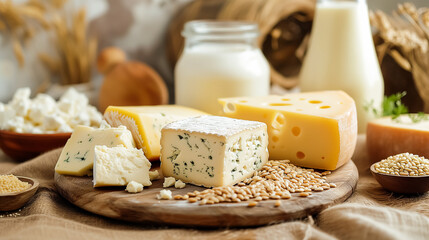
370,213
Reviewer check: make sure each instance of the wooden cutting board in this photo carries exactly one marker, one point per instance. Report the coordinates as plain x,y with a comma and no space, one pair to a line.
114,202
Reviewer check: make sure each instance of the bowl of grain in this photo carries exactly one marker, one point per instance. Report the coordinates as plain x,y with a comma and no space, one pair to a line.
16,191
403,173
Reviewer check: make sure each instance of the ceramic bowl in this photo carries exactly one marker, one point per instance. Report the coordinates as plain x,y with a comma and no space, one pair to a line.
24,146
402,184
13,201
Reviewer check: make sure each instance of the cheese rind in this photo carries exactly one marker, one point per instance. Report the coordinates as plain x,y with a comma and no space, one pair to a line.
213,151
387,137
77,157
146,122
117,166
312,129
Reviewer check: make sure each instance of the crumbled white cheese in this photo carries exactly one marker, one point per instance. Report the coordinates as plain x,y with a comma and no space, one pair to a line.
164,194
134,187
154,175
169,181
44,115
179,184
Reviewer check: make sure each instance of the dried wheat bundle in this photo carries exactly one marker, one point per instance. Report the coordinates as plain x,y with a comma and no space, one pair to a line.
20,22
76,50
405,37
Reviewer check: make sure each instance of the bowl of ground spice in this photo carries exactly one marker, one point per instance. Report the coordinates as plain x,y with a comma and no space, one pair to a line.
15,191
403,173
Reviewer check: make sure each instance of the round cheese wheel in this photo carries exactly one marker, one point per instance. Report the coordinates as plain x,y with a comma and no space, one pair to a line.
387,137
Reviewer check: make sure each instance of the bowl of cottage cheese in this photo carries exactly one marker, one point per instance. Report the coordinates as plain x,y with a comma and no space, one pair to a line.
29,127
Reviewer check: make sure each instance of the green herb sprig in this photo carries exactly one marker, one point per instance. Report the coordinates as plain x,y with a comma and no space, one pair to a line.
393,106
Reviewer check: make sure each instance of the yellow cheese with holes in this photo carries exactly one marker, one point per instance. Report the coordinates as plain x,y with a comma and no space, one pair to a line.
311,129
146,122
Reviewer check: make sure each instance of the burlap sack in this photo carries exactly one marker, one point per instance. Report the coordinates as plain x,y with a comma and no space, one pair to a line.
371,213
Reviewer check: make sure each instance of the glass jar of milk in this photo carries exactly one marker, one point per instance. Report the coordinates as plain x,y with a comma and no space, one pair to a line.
220,59
341,55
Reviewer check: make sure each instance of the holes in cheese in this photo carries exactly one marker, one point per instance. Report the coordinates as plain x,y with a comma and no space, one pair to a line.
300,155
230,107
279,121
322,126
296,131
275,139
279,104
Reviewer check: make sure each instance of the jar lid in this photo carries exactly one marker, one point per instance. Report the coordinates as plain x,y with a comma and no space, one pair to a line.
220,29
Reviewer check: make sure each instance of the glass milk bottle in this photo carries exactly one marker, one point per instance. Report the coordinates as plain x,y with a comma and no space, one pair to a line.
220,59
341,55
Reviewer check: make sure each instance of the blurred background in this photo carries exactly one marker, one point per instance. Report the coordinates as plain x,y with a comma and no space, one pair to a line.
52,44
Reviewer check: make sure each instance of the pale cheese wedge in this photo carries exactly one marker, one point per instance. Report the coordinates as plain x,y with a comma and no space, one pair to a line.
77,156
118,166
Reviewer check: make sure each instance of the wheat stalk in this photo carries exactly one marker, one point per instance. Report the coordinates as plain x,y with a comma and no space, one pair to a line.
406,38
20,22
75,49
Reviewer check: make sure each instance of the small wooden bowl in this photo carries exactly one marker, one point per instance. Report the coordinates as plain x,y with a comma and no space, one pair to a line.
13,201
24,146
402,184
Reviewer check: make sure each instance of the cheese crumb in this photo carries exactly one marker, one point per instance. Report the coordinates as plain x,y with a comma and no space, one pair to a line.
11,184
179,184
169,181
134,187
154,175
164,195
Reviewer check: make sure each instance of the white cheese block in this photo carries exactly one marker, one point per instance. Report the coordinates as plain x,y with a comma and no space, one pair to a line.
77,157
213,151
117,166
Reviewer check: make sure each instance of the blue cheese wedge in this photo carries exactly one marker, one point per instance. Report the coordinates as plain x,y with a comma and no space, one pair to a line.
77,157
213,151
118,166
